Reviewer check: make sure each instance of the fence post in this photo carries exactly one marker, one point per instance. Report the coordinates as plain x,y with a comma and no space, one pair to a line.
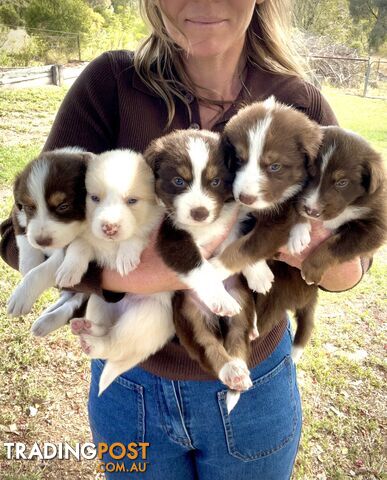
367,77
79,47
57,75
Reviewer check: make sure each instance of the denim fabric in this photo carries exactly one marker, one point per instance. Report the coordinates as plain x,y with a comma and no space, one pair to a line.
190,433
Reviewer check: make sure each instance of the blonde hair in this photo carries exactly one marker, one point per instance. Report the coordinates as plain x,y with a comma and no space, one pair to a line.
159,60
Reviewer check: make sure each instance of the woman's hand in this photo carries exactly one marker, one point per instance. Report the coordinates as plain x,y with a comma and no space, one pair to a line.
152,275
338,278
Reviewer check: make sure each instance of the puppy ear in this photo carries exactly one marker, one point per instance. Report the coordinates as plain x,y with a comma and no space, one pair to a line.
373,174
152,157
309,141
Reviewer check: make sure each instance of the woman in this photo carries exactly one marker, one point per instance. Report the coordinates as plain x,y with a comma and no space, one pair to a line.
201,61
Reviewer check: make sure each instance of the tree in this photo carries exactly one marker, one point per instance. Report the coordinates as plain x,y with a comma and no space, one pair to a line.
373,15
62,15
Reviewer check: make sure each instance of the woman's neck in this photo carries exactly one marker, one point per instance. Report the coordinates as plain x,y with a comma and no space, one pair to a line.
217,77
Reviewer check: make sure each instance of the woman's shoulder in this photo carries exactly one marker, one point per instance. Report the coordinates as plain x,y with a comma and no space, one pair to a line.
112,62
294,91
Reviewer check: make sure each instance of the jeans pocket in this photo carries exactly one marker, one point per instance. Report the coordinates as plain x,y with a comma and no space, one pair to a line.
265,418
118,415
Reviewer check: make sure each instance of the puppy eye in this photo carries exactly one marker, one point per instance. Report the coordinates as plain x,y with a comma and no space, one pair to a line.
62,207
19,206
342,183
131,201
274,167
215,182
29,208
178,181
95,198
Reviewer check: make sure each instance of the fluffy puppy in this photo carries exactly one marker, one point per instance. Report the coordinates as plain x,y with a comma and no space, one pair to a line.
348,194
194,185
121,214
49,212
270,148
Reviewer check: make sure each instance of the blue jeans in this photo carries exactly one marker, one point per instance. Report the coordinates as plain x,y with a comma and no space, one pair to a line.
190,433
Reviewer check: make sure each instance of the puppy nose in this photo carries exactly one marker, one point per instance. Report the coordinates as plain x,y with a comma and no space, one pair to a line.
110,229
247,199
43,241
199,214
312,212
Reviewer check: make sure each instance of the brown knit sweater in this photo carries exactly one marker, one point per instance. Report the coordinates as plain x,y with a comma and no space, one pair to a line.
110,107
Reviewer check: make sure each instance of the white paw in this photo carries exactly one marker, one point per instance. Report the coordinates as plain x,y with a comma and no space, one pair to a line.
253,334
296,353
259,277
236,375
21,301
220,302
95,346
127,261
299,238
68,277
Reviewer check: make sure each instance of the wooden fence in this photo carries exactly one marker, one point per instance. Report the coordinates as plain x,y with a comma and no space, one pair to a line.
35,76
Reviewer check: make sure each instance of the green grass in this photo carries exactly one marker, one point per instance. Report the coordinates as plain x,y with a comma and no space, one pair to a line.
342,387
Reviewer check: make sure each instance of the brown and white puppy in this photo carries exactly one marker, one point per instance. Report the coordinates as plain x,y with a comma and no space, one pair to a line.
49,212
195,186
271,148
348,194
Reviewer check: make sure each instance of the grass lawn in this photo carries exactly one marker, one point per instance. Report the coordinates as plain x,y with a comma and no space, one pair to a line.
44,382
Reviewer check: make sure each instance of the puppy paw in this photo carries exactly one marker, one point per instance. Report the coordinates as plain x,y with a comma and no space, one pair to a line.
95,347
220,302
82,325
253,334
126,264
42,326
236,375
259,277
299,238
21,302
310,273
68,277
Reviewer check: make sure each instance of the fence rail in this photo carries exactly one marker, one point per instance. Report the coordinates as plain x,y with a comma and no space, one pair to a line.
33,76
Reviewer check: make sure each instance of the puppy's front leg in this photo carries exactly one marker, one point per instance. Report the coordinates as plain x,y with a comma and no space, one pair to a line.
129,255
29,256
299,237
78,256
181,254
34,284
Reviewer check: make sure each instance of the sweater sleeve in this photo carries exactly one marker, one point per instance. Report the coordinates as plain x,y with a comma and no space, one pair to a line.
88,115
319,109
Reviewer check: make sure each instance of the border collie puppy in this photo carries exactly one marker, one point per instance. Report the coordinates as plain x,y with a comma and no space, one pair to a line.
121,213
271,149
49,212
348,194
195,186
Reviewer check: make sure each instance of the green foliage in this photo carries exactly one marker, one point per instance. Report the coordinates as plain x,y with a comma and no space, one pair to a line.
10,16
62,15
373,15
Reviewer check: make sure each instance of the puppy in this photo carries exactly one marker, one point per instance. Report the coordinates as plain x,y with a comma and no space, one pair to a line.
348,194
121,214
49,212
270,148
194,185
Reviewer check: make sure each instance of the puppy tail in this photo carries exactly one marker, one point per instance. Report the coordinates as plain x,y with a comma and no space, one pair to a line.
232,398
110,372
